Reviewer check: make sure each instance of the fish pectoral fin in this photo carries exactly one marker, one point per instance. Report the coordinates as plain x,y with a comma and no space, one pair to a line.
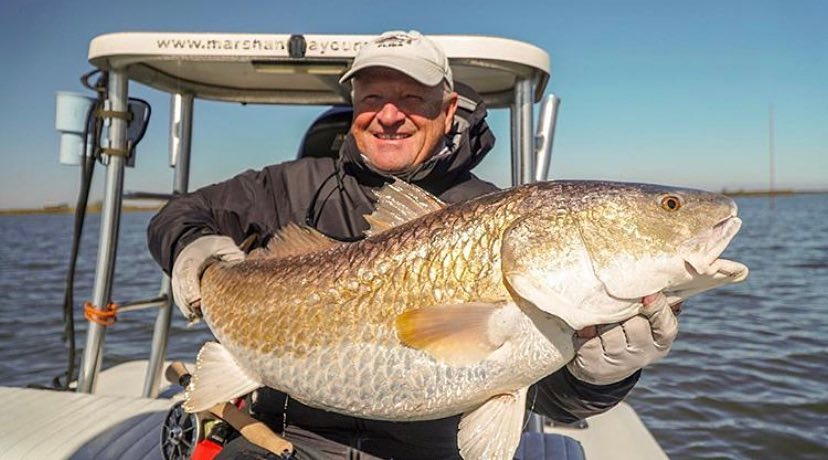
399,202
492,431
216,379
295,240
461,334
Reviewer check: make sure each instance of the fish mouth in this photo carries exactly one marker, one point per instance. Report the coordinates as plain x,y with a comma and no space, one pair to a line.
720,272
705,270
705,250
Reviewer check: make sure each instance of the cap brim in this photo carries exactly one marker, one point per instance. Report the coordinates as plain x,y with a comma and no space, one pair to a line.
427,75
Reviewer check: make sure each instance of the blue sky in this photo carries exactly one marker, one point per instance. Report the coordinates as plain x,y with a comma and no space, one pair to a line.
653,91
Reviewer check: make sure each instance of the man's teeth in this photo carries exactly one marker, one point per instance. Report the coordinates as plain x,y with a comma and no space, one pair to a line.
391,136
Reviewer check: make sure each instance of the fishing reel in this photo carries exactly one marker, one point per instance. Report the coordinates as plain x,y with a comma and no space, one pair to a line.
191,436
180,433
199,436
202,435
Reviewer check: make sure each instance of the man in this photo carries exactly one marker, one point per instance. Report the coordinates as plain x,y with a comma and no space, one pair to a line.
409,123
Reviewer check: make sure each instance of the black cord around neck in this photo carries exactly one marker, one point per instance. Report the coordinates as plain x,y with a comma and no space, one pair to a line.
312,217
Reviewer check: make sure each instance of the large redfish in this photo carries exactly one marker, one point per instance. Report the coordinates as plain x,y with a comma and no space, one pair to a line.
458,309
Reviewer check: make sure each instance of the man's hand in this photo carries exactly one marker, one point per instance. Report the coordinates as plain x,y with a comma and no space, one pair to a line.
609,353
190,265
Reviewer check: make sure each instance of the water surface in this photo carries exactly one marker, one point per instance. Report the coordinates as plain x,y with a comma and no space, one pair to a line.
747,377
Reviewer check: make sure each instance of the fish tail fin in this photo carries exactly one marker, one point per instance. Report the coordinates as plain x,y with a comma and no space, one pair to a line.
216,379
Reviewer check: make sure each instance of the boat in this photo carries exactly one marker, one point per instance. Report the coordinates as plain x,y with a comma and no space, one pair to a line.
128,411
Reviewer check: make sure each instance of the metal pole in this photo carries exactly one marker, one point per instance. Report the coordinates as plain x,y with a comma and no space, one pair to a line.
534,424
181,128
517,160
522,136
181,131
545,136
110,222
160,338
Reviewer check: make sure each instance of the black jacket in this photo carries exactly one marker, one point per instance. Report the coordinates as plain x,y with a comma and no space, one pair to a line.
333,195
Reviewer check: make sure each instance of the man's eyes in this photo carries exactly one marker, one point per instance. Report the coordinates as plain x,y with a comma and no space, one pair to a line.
406,102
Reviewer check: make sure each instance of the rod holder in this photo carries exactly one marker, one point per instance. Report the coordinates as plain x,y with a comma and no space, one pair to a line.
71,110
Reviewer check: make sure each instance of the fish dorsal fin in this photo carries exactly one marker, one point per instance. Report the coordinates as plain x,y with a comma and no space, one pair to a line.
217,378
295,240
399,202
492,431
461,334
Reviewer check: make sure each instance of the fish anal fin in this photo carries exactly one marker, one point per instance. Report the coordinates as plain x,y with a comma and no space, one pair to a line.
492,431
217,378
460,335
399,202
294,240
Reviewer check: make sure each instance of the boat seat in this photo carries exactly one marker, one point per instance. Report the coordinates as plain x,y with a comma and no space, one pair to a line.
327,133
40,424
549,446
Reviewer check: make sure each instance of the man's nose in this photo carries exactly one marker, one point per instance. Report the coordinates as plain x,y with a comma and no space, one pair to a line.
390,114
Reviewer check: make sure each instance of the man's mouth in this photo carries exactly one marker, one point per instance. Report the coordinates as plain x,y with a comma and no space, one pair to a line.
391,137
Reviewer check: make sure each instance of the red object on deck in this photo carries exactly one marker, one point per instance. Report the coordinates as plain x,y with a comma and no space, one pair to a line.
206,450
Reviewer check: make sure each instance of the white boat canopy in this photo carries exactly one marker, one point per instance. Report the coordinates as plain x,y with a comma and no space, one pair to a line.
300,69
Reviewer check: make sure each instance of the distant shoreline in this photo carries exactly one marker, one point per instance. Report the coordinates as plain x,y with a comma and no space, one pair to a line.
96,207
783,192
62,209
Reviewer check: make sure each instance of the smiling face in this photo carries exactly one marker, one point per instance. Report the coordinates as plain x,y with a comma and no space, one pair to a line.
398,122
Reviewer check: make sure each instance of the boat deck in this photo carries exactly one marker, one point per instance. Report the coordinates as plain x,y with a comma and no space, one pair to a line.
616,434
115,423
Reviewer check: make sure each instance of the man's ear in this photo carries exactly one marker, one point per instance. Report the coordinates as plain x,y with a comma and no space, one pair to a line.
450,109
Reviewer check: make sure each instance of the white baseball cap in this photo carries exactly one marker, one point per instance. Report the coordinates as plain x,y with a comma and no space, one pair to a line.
408,52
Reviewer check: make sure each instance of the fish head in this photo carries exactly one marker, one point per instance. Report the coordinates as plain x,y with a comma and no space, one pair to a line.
611,244
644,238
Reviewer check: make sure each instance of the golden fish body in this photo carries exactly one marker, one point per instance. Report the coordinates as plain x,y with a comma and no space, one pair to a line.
458,309
322,326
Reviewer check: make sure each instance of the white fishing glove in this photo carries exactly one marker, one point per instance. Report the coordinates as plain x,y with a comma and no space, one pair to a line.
190,265
610,353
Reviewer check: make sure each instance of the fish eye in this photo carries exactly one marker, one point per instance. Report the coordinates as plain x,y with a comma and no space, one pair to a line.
671,203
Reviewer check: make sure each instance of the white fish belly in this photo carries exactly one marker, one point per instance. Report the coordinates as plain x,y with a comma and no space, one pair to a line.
401,383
